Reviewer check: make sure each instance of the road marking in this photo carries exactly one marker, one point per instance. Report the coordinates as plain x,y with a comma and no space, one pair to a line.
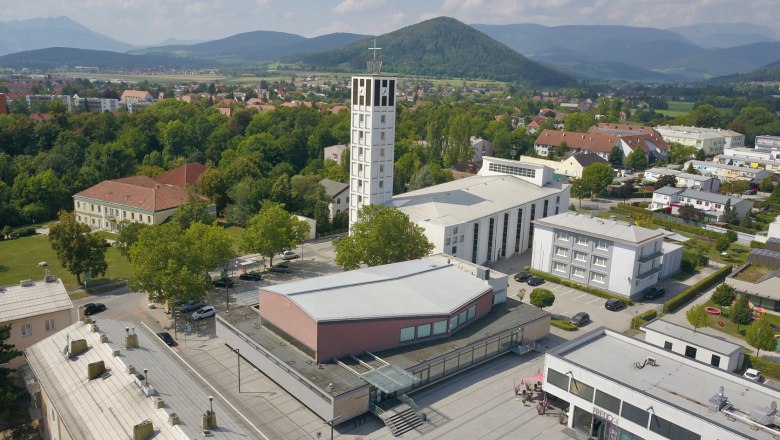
578,297
568,291
593,300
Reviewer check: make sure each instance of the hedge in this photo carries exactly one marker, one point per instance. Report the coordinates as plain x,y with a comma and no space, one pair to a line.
568,283
642,318
757,245
25,232
563,325
716,277
765,366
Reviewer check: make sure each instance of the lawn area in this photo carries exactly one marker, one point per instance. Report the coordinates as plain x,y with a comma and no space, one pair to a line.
753,272
731,328
19,260
677,108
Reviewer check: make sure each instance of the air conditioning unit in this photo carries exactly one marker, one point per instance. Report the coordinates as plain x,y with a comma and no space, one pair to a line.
651,361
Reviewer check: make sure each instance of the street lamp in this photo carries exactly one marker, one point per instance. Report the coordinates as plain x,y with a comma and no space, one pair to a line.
227,296
211,404
238,365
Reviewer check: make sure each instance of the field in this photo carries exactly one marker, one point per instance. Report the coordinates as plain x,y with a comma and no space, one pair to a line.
19,260
677,108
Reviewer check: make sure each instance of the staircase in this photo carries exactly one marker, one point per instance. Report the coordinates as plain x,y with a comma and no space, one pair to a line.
400,418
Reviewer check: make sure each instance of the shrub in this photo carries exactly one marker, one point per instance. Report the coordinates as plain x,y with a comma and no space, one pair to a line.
757,245
568,283
25,232
542,298
765,366
716,277
563,325
643,318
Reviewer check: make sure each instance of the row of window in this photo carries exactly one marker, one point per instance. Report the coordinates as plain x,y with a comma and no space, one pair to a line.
581,256
690,351
581,240
113,211
513,170
360,150
362,120
579,272
439,327
48,326
637,415
97,222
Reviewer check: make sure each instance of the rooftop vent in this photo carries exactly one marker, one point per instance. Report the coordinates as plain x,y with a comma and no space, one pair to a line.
143,430
95,369
25,283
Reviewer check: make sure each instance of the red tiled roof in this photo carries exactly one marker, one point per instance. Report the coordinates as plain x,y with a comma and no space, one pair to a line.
577,141
184,175
625,130
41,117
138,191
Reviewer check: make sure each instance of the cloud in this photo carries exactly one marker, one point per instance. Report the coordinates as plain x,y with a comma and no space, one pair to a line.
357,6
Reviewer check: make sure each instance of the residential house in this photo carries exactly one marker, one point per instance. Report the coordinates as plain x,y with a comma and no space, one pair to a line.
765,142
684,180
96,105
571,165
632,136
688,342
334,152
726,172
66,99
750,153
135,199
481,147
769,165
712,140
606,254
598,144
712,204
135,96
338,192
35,310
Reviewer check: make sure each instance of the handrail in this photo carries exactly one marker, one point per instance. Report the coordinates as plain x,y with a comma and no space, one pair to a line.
409,401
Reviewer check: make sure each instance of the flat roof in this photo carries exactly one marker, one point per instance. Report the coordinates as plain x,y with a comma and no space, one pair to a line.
746,159
701,163
703,340
32,299
600,227
472,198
676,380
109,407
410,288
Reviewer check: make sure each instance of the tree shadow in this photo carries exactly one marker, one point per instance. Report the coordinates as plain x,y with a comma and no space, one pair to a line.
3,268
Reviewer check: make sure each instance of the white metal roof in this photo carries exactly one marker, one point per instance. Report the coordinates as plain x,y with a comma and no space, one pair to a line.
600,227
471,198
703,340
108,408
409,288
36,298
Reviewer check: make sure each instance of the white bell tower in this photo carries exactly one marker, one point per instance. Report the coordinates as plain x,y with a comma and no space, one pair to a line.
372,139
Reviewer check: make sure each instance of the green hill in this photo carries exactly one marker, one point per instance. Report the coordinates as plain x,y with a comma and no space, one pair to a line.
442,47
65,56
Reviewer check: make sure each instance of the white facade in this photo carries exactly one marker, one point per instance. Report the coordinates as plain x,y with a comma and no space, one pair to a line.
767,142
727,172
684,180
751,153
372,142
769,165
688,342
712,140
601,253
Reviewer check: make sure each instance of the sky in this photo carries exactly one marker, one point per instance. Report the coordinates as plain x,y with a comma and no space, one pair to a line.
152,21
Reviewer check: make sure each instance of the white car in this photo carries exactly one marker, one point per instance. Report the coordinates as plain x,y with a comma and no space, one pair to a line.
203,313
752,374
288,255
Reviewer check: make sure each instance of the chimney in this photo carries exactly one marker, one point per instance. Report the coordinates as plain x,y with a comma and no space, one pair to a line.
76,347
95,369
131,339
143,430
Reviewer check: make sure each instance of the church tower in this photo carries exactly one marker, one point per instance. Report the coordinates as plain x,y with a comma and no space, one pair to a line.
372,139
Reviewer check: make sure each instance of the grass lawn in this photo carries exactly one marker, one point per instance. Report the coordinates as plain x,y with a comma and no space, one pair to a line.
753,272
677,108
19,260
731,328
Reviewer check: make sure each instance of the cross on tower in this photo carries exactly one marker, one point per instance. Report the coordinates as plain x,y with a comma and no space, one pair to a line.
374,66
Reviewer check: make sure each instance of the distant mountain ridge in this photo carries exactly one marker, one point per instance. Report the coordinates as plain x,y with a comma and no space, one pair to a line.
442,47
52,57
724,35
40,33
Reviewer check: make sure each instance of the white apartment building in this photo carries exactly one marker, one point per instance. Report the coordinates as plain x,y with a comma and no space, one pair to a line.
606,254
614,386
712,204
726,172
767,143
684,180
488,216
711,140
771,166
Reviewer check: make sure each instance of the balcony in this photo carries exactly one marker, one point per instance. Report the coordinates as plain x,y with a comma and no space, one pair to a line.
650,272
649,257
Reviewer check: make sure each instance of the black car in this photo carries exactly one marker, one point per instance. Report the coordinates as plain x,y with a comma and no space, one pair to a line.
580,319
167,338
250,276
615,304
522,276
92,308
655,293
191,305
281,268
224,282
751,192
535,281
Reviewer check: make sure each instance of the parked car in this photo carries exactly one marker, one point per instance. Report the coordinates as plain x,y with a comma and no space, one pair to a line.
250,276
522,276
167,338
223,282
751,192
655,293
753,374
535,281
289,255
193,304
204,313
92,308
281,268
615,304
580,319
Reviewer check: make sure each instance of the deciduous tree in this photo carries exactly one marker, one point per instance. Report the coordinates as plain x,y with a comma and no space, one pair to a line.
128,235
542,298
616,156
724,295
667,180
196,210
596,178
381,235
637,160
698,316
741,314
78,250
9,392
760,335
273,230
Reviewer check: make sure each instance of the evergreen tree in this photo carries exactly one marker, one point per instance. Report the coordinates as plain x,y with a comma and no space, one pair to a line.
741,313
747,221
616,156
691,169
637,160
9,392
729,213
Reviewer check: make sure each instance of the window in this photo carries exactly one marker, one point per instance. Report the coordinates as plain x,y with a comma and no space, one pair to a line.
513,170
491,225
407,334
506,231
26,329
670,430
690,351
582,390
132,215
475,243
634,414
518,229
578,272
580,256
582,241
597,278
381,169
447,242
453,323
423,331
667,345
563,236
472,312
382,135
715,361
559,267
381,183
599,261
561,252
602,244
608,402
148,218
461,238
454,250
462,317
78,217
78,204
382,152
382,119
455,230
558,379
440,327
49,325
544,209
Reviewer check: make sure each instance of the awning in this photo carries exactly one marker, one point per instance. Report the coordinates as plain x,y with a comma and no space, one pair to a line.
389,378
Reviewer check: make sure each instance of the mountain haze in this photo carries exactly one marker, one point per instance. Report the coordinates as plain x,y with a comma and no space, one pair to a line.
442,47
40,33
714,35
52,57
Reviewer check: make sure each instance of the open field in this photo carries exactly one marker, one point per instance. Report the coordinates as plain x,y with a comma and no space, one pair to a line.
19,260
677,108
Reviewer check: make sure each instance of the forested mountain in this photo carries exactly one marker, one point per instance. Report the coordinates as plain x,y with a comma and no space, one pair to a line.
714,35
39,33
64,56
442,47
256,46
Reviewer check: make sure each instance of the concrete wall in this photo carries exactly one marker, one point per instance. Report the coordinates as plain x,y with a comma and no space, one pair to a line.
671,260
37,323
702,354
